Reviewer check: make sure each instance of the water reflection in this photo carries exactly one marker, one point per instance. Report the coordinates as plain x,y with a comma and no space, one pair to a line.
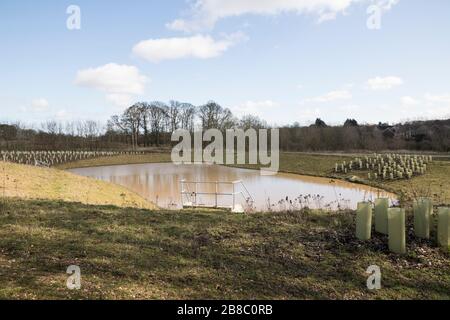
161,184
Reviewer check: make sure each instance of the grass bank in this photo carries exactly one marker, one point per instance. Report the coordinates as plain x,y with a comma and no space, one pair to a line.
139,254
28,182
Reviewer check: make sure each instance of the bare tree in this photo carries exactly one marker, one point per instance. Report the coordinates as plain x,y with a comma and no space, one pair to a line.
254,122
92,129
129,123
144,109
213,116
70,128
187,116
158,118
50,126
80,128
174,115
132,119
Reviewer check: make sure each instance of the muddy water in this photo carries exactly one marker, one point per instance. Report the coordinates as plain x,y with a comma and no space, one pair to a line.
161,184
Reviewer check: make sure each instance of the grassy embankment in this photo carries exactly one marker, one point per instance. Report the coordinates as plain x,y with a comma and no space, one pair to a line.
138,254
27,182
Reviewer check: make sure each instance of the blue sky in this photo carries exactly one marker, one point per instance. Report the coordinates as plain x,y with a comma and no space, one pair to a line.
283,60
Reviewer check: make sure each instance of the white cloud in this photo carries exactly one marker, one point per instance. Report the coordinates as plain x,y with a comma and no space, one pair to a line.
119,82
40,104
205,13
384,83
199,46
331,96
409,101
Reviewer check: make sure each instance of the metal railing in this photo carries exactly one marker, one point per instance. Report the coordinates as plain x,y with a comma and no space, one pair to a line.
191,197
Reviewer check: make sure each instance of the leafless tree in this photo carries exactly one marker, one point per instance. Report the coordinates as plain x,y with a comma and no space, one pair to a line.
250,121
213,116
187,116
174,115
70,128
158,118
129,123
50,127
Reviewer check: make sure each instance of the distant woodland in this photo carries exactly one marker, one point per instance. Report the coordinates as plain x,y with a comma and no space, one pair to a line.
146,125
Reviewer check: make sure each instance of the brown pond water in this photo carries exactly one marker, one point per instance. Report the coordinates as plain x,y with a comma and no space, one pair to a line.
161,184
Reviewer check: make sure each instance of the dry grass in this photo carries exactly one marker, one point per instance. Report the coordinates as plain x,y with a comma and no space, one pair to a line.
138,254
434,184
27,182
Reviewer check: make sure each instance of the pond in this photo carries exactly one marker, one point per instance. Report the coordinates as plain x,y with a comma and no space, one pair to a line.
161,184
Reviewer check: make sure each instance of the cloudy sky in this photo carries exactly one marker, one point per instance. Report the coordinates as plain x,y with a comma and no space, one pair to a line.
283,60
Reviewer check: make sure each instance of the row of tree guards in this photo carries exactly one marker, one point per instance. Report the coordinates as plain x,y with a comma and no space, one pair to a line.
387,166
392,222
50,158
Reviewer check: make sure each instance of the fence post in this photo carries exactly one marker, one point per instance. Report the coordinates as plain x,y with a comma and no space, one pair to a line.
381,215
364,221
397,230
444,228
423,209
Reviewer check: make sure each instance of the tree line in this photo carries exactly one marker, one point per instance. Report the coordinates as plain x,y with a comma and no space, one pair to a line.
150,124
432,135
